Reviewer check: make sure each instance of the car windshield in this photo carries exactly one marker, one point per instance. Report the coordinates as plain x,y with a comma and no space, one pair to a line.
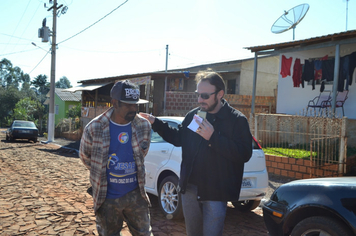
156,138
24,124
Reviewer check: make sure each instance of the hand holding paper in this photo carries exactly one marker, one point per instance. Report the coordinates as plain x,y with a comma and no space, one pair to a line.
194,125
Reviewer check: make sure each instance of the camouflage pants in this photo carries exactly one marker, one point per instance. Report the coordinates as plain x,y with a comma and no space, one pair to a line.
132,208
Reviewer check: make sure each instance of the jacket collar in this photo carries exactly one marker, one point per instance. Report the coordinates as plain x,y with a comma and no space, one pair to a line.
223,112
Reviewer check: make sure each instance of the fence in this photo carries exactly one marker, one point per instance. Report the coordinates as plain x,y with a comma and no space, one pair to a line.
321,139
69,128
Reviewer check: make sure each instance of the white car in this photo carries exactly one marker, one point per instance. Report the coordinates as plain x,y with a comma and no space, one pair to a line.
162,165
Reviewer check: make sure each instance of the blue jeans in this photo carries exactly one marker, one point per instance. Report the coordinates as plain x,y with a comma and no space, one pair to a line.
202,218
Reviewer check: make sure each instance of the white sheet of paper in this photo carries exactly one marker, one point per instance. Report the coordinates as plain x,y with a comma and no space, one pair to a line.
194,125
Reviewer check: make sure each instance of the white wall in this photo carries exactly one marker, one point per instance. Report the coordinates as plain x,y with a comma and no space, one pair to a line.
293,101
267,72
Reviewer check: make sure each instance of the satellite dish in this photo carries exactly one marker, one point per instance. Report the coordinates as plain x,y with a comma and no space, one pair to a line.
290,19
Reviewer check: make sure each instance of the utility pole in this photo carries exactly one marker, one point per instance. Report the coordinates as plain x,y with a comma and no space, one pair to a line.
54,8
347,12
165,82
44,34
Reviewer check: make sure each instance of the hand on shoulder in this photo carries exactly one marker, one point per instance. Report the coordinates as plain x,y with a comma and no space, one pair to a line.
148,117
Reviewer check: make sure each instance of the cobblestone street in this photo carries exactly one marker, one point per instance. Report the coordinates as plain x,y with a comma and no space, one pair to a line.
43,192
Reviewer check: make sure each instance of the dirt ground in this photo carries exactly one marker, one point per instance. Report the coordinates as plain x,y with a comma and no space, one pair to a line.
43,192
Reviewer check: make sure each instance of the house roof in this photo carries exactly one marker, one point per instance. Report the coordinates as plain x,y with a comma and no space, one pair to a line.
68,96
159,75
154,75
326,39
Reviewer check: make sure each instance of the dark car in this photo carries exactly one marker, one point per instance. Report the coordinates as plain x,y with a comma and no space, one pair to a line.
308,207
21,129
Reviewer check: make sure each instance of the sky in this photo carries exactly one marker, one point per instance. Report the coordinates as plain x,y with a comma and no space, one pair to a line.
97,39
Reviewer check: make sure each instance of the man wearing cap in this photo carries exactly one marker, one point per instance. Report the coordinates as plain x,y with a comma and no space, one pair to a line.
113,148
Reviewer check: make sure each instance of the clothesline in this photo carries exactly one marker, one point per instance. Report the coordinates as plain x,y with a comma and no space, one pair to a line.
321,69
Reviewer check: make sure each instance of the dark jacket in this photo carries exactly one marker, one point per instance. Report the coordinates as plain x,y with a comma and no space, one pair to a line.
218,164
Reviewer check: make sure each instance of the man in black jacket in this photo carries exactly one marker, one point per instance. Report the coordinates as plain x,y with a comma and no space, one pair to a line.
213,156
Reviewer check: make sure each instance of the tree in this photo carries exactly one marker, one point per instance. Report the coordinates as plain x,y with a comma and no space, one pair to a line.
74,112
5,67
27,91
28,109
8,99
42,86
63,83
11,76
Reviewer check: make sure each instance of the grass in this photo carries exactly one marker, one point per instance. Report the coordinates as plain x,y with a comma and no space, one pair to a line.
287,152
298,153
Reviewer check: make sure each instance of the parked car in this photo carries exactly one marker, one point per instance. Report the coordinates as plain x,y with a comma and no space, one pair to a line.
21,129
163,168
319,206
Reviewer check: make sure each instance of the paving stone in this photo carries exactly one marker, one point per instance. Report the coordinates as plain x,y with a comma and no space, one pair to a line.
46,195
42,222
5,215
27,227
14,228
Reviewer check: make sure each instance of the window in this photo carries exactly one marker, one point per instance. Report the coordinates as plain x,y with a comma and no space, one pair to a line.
156,138
56,109
231,87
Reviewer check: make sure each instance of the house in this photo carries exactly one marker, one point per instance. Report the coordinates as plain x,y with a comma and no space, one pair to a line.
293,98
64,101
172,92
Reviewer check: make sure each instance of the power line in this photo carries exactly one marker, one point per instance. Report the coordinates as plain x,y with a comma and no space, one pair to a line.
39,62
18,22
12,36
113,52
17,52
94,23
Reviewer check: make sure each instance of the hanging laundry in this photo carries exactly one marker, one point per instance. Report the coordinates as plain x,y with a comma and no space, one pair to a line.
318,67
343,73
352,65
308,72
327,66
297,73
318,71
324,58
286,65
322,86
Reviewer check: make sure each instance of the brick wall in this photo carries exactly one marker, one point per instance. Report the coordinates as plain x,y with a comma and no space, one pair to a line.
179,103
298,168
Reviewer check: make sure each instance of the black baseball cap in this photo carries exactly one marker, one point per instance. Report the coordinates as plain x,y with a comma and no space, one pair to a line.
126,92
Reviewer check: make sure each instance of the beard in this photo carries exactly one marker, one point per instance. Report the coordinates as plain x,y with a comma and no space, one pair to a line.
130,116
209,108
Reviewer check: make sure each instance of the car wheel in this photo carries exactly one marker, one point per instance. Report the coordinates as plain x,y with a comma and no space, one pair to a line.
169,199
319,225
247,205
7,138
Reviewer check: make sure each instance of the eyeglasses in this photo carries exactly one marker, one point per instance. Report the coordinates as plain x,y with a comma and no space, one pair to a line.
204,95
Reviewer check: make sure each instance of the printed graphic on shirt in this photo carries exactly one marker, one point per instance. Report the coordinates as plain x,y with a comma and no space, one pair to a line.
119,169
123,137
